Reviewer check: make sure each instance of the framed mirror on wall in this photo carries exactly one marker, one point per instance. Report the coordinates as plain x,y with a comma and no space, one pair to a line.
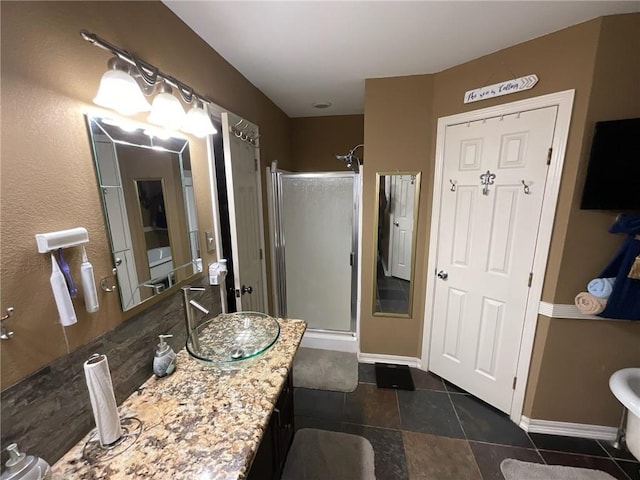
149,205
396,222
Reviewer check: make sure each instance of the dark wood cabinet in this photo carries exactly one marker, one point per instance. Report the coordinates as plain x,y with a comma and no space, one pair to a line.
272,453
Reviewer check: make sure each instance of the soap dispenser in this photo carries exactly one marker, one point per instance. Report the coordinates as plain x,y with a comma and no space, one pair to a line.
25,467
164,361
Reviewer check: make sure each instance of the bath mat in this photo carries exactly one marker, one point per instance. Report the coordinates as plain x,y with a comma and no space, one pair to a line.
389,375
322,455
325,370
518,470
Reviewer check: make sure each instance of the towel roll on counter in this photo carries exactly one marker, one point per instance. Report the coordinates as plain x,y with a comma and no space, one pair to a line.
590,304
601,287
103,400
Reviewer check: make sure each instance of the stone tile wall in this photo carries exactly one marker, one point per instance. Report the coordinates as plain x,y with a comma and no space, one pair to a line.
49,412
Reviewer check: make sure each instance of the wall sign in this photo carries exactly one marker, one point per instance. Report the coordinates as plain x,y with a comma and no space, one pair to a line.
499,89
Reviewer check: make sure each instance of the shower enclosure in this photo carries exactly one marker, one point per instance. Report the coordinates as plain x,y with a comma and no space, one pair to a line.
314,223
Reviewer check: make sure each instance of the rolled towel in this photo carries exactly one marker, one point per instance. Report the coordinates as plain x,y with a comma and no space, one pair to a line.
601,287
590,305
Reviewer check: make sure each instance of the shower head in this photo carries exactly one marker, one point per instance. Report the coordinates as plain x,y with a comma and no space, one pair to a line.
350,160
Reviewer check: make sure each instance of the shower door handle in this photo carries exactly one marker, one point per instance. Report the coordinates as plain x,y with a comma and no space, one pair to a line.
248,289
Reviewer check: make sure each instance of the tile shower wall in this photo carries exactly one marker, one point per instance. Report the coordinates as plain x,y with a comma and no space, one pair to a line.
49,412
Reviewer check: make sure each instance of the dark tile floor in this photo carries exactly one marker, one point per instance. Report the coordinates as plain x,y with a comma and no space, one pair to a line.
392,294
439,432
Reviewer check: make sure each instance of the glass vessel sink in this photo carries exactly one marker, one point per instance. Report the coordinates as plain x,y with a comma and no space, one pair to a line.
230,340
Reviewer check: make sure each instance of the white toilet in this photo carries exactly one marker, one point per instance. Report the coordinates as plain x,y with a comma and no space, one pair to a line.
625,385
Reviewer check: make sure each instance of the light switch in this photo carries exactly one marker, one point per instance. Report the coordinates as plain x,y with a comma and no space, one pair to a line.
210,241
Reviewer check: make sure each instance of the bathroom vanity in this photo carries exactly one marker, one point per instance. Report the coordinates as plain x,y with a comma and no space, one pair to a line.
202,422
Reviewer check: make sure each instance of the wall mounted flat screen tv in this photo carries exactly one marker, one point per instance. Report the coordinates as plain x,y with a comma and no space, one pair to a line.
613,174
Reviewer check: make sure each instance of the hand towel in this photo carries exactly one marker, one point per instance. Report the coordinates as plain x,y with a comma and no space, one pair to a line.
588,304
601,287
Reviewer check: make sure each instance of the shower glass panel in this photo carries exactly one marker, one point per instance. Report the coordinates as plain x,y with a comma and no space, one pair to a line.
316,215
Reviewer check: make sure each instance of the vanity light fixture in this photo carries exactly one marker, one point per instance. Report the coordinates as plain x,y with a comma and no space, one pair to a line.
198,122
129,78
119,91
166,110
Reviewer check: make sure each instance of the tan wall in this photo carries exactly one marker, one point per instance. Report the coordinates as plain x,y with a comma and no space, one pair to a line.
575,358
398,115
49,77
571,372
315,141
400,127
562,60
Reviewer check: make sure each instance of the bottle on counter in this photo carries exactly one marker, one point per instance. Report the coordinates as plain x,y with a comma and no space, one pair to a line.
25,467
164,360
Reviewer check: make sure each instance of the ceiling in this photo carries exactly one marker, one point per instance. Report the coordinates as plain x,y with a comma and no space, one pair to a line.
302,52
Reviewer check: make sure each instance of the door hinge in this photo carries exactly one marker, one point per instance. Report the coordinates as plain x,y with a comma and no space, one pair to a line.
260,254
515,379
530,279
549,155
351,257
255,163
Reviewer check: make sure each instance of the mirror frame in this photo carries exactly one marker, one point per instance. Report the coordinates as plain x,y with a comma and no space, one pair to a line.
416,200
172,143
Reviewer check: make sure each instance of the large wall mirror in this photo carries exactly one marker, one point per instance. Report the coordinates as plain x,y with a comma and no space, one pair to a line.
396,221
149,207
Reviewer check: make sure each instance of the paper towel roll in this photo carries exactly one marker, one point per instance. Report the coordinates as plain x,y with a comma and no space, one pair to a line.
103,400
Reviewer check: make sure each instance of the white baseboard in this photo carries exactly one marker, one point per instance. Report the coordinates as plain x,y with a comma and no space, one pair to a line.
379,357
597,432
338,341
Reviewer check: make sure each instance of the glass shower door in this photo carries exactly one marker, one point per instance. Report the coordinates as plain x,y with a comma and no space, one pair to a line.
317,228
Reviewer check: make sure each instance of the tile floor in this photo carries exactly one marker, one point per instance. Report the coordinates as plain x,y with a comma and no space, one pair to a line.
392,294
439,432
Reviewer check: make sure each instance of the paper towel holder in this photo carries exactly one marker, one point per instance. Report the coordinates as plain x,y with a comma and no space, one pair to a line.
93,452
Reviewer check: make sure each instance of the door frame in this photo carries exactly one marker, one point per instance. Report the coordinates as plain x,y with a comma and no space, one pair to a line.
564,101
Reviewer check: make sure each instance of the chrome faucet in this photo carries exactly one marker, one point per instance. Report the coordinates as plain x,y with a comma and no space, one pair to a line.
189,305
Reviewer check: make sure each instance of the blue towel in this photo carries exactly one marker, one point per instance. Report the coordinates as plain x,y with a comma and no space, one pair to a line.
601,287
624,301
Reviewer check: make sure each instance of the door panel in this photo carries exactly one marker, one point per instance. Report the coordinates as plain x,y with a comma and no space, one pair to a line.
453,326
463,224
486,244
502,229
243,190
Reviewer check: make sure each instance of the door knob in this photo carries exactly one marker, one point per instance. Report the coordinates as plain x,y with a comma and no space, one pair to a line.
248,289
397,224
442,275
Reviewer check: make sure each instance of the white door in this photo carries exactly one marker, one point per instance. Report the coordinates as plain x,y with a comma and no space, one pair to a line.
486,245
245,216
402,198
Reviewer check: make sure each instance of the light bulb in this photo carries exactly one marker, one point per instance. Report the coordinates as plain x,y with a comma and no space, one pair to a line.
197,122
166,110
119,91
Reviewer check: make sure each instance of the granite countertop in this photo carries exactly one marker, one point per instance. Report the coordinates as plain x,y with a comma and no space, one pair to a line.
198,423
